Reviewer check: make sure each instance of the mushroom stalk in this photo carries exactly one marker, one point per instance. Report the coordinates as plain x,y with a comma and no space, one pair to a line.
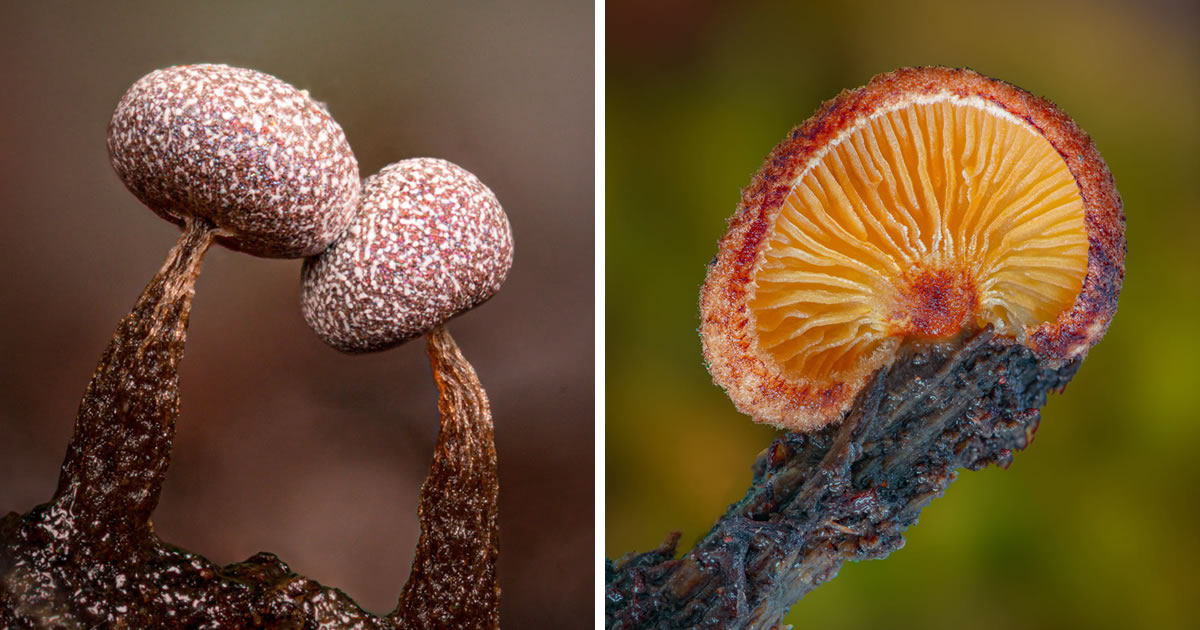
453,581
118,455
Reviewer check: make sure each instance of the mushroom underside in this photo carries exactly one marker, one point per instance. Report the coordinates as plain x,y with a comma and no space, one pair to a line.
919,221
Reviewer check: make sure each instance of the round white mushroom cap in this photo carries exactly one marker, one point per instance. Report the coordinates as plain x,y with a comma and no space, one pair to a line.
430,241
257,157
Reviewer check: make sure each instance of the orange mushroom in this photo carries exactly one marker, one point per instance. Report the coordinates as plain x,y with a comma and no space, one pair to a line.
928,204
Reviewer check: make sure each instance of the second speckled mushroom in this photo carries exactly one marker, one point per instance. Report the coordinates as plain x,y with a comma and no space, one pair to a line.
430,241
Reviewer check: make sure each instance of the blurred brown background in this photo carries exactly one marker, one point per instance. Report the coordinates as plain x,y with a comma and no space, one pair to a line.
284,444
1094,526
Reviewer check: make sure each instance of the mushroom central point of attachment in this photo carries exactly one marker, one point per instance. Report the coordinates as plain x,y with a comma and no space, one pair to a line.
933,303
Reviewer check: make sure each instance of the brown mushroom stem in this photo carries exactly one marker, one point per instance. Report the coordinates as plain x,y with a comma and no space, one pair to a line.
118,455
846,492
453,581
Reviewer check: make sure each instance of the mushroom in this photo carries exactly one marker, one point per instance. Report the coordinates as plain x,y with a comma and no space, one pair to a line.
231,155
259,159
910,274
430,241
927,205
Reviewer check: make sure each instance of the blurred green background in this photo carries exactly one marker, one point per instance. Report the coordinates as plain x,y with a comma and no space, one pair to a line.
1095,525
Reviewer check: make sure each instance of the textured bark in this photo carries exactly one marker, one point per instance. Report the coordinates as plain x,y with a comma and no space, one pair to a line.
846,492
90,559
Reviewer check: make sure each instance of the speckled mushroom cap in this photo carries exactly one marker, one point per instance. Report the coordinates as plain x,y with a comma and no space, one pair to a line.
430,241
930,203
259,158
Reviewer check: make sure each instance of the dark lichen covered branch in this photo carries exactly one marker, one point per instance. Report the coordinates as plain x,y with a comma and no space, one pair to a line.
846,492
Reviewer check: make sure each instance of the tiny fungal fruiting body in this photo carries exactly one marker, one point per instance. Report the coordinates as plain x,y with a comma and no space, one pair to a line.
256,157
910,274
928,204
233,156
429,242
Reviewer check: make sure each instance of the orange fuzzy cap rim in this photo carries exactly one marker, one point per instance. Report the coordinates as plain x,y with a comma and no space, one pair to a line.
930,202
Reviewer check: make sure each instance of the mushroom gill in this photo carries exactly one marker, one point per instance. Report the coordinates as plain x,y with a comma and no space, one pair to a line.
925,217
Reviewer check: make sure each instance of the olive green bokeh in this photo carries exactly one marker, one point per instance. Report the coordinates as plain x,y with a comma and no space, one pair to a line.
1093,526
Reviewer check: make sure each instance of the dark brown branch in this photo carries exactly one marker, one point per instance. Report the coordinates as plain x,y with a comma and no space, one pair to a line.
846,492
453,581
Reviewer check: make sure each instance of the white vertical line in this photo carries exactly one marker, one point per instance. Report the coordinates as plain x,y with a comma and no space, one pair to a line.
598,557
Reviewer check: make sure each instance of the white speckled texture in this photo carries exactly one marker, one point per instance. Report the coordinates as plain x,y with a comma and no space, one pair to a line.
254,155
429,242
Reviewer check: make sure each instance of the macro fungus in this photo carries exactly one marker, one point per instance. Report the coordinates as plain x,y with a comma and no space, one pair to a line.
910,274
256,158
429,242
927,205
229,154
